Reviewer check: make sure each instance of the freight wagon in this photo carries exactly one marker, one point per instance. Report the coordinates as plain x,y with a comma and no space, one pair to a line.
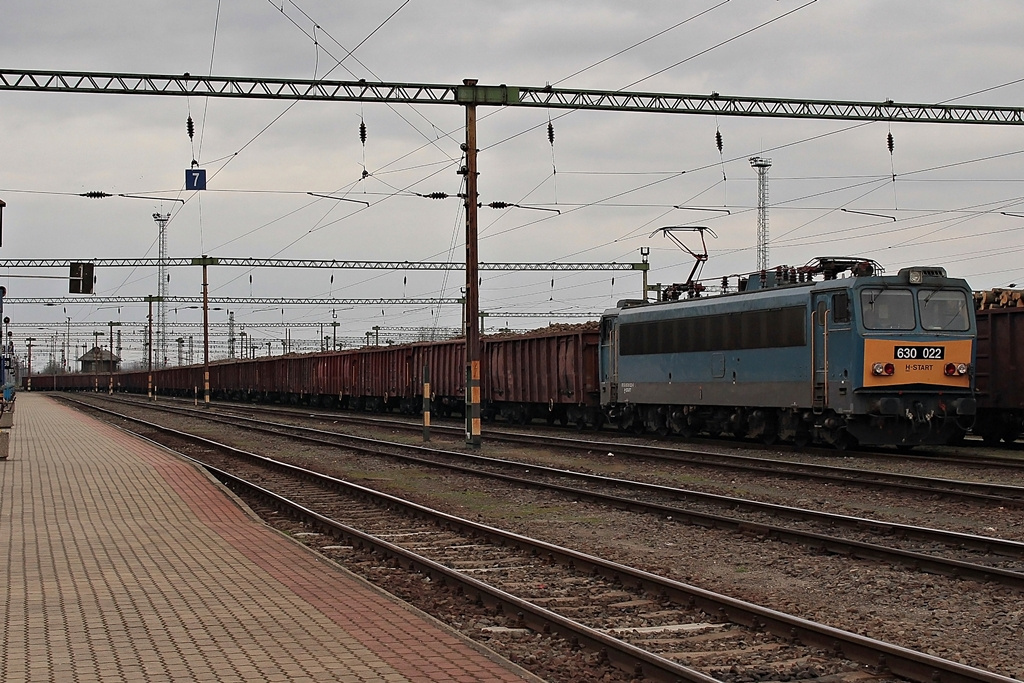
549,374
1000,374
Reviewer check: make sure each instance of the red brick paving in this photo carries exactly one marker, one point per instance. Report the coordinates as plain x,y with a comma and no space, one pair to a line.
122,562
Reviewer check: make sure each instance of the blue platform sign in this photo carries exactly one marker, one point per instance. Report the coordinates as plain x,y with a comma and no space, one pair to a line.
195,178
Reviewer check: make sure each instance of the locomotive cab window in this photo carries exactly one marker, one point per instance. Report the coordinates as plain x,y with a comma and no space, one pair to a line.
841,307
887,309
943,309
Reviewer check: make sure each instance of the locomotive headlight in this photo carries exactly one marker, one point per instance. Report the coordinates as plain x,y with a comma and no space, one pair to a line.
883,369
916,277
955,369
950,369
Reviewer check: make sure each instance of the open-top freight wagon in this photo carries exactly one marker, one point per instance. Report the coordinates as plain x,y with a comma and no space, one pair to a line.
549,374
1000,365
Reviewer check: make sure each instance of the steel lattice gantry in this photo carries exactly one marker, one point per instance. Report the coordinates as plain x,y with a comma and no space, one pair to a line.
523,96
321,263
223,300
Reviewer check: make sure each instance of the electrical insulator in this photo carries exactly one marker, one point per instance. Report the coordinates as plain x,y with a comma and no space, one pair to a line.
499,205
890,142
95,194
718,140
190,127
362,132
436,195
551,133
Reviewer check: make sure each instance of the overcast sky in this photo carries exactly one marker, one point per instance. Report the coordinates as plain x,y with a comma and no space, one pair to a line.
614,177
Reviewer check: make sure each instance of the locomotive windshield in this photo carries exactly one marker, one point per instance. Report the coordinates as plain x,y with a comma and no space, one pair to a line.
893,309
887,309
943,309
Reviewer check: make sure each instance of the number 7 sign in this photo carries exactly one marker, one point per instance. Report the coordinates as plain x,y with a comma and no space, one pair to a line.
195,178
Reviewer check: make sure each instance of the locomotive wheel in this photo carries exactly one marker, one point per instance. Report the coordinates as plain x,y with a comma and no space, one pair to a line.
801,439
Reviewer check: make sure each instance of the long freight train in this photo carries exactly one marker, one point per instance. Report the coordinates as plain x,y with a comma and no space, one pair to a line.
864,358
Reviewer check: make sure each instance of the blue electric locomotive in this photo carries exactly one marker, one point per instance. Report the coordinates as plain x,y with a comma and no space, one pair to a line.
865,358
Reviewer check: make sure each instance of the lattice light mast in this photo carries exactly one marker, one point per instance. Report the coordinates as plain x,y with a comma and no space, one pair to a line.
761,165
161,291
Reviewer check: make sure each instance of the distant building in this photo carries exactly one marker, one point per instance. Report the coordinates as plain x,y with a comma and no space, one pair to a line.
99,360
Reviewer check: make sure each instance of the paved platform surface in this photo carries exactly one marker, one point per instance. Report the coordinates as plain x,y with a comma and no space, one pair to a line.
122,562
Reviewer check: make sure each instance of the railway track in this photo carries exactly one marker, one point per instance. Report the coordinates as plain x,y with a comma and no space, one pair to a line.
937,551
975,491
965,454
645,624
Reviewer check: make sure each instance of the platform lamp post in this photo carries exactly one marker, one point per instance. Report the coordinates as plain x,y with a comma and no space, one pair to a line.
28,370
205,262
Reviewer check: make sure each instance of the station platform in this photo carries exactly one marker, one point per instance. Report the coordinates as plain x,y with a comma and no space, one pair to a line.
122,562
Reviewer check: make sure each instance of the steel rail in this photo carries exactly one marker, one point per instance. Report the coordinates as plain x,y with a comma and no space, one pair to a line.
900,661
979,491
1002,494
870,551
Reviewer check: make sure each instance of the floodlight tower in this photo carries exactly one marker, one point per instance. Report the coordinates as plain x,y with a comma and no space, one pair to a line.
161,290
761,165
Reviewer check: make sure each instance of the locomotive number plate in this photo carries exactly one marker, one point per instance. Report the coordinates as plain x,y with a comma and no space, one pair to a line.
919,352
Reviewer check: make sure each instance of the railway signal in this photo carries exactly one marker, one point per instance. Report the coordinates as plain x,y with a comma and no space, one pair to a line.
81,278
